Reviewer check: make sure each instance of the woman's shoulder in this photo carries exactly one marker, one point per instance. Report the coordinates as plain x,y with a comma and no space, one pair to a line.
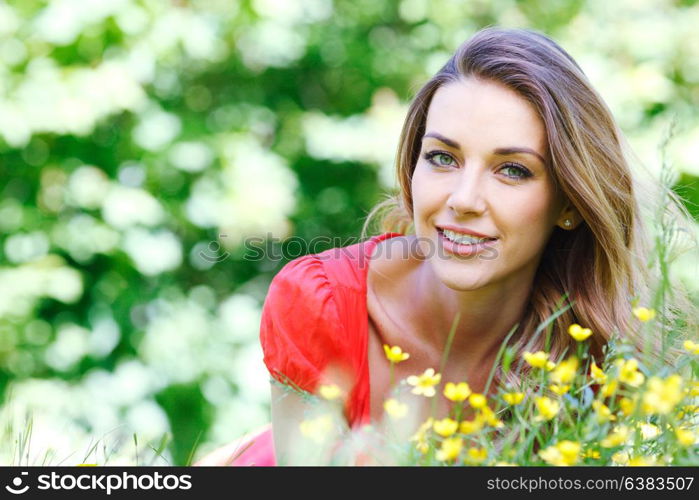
301,273
392,259
343,265
311,314
394,248
298,322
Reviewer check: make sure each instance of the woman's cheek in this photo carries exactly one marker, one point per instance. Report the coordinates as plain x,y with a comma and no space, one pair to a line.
420,193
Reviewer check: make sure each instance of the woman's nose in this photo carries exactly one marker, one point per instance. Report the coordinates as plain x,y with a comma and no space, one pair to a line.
467,195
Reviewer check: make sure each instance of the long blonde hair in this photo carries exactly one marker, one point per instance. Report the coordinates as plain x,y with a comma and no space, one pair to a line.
600,268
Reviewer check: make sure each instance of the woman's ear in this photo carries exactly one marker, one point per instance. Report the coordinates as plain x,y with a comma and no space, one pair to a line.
569,217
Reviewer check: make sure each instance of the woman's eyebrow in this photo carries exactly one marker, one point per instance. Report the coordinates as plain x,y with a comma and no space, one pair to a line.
441,138
500,151
515,150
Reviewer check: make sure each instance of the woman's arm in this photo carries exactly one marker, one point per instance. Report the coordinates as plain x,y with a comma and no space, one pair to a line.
291,446
288,411
336,444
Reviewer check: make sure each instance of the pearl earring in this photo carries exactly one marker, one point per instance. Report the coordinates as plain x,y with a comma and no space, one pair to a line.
567,223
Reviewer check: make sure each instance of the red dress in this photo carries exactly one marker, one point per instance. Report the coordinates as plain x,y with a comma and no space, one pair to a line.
315,318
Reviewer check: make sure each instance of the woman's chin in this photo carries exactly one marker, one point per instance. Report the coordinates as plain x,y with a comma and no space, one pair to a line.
463,280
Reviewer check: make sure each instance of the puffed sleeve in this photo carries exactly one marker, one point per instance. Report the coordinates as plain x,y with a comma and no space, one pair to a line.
300,331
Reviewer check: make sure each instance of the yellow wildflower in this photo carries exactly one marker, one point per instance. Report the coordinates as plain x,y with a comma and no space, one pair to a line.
603,412
691,347
559,389
649,431
551,455
565,371
425,426
597,374
457,392
504,464
621,458
330,391
641,461
445,427
513,398
608,389
617,437
488,416
424,384
451,447
395,354
661,396
628,372
420,436
590,453
422,446
627,406
548,408
316,428
693,390
471,426
685,437
687,410
476,455
395,409
570,450
643,313
624,458
539,359
477,400
561,454
578,332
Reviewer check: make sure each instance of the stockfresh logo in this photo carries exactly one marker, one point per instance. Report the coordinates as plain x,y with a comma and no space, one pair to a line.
16,488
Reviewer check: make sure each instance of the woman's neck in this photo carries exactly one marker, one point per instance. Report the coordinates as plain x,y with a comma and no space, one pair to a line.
485,316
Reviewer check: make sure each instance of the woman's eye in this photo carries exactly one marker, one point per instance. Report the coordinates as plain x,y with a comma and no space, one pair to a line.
516,171
439,159
442,159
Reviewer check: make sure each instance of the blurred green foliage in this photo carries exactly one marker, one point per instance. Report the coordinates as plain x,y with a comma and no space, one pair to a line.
141,143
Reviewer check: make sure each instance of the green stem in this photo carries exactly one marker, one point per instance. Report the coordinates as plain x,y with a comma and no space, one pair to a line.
445,355
503,346
447,346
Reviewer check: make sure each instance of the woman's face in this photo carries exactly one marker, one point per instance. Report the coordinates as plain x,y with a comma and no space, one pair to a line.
481,168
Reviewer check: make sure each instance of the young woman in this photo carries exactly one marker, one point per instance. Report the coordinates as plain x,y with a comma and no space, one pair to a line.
516,199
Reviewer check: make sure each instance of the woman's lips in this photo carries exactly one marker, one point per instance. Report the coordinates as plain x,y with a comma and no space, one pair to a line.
461,249
466,231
